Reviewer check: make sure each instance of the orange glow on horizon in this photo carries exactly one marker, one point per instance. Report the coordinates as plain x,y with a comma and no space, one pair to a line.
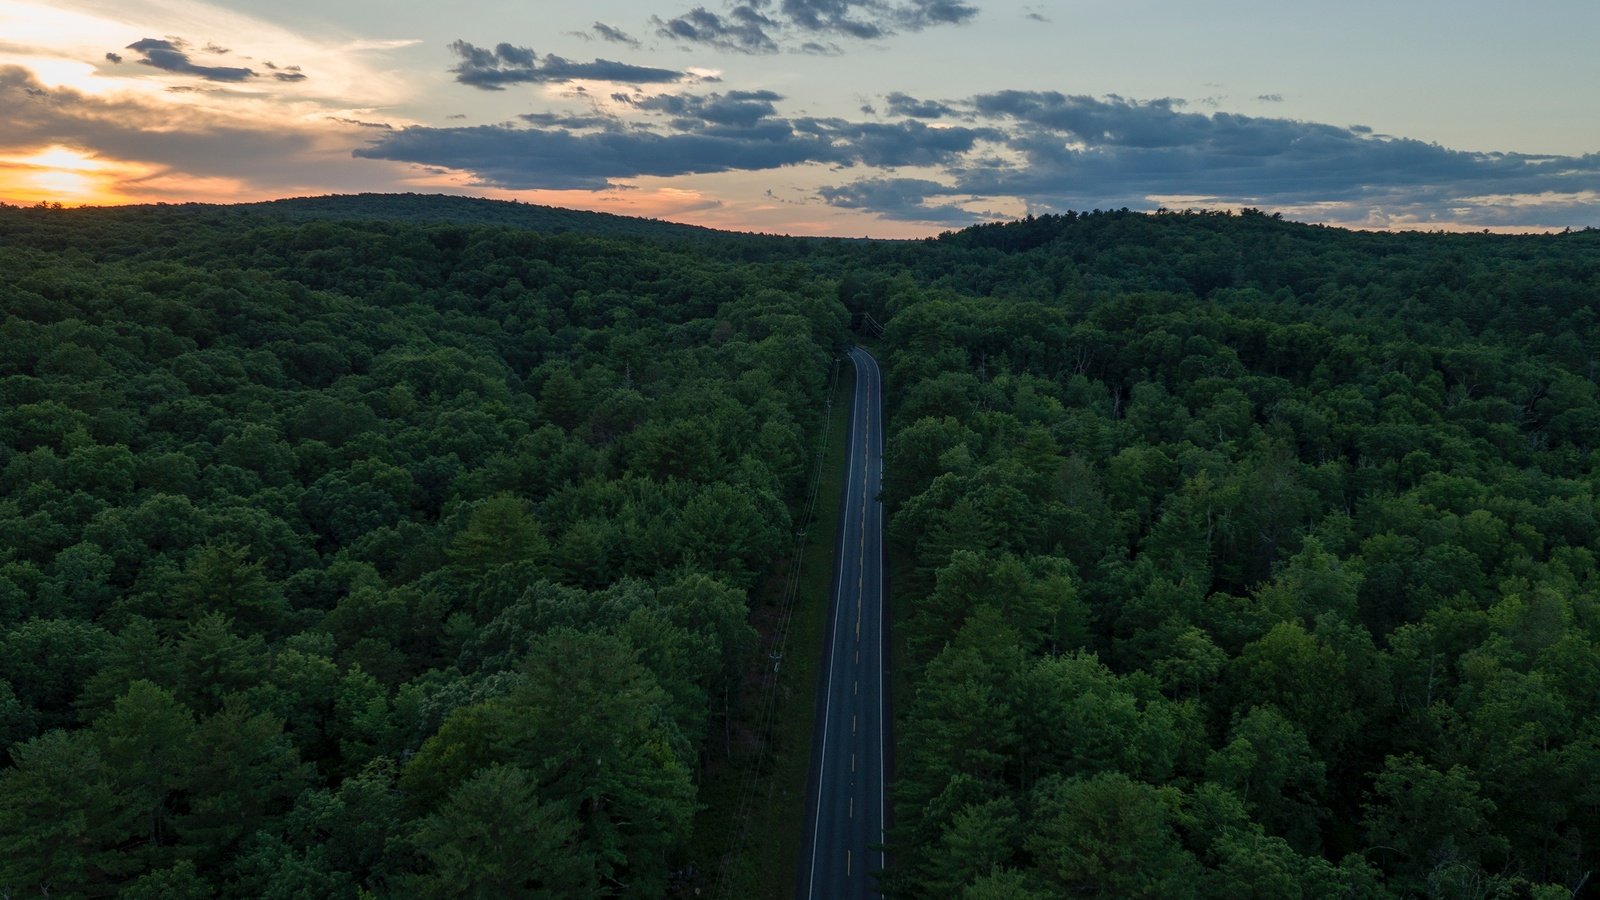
60,175
71,177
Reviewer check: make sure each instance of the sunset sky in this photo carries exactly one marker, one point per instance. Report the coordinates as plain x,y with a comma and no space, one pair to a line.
853,117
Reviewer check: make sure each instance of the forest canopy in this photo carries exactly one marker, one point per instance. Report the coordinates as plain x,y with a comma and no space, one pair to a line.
410,546
331,548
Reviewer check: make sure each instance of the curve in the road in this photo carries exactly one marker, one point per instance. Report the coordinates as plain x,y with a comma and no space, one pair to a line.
847,805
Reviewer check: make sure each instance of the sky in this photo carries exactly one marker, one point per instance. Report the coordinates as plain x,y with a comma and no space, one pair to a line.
884,118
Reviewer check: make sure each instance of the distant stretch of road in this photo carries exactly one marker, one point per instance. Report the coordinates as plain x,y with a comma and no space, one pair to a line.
847,808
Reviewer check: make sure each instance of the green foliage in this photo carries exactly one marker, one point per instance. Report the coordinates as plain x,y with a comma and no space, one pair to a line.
1318,510
348,545
288,494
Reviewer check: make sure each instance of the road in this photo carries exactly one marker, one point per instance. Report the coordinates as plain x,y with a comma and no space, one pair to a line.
847,807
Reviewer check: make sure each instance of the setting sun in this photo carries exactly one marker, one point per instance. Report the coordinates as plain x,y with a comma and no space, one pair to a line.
60,175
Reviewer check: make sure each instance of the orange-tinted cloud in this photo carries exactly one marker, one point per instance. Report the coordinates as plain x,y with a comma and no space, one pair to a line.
64,145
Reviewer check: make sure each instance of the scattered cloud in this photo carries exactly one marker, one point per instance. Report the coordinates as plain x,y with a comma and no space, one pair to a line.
615,35
382,126
114,58
905,105
170,55
559,120
492,70
719,133
902,199
742,30
735,108
1077,152
1041,150
767,26
1270,98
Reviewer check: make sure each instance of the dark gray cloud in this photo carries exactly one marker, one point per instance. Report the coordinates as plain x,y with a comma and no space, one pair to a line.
172,56
1270,98
735,108
114,58
492,70
891,145
559,159
764,26
615,35
563,155
905,199
743,29
558,120
381,126
905,105
1041,150
922,14
1077,152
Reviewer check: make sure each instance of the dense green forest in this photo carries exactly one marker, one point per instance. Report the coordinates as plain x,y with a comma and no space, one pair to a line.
332,551
1245,559
408,546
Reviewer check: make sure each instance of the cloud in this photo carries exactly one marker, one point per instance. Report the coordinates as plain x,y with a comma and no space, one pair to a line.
558,120
157,147
492,70
1077,152
615,35
561,157
171,56
904,199
1270,98
928,13
186,140
737,108
114,58
382,126
904,105
743,30
763,26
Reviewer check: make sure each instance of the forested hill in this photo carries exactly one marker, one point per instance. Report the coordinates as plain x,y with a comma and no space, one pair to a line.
1239,558
328,549
438,208
1232,557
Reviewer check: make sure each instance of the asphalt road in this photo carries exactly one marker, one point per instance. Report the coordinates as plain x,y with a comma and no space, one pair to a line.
847,807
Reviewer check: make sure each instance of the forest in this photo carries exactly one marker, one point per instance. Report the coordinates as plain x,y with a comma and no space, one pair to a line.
411,547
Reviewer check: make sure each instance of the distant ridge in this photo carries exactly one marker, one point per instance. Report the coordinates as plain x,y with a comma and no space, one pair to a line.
441,208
